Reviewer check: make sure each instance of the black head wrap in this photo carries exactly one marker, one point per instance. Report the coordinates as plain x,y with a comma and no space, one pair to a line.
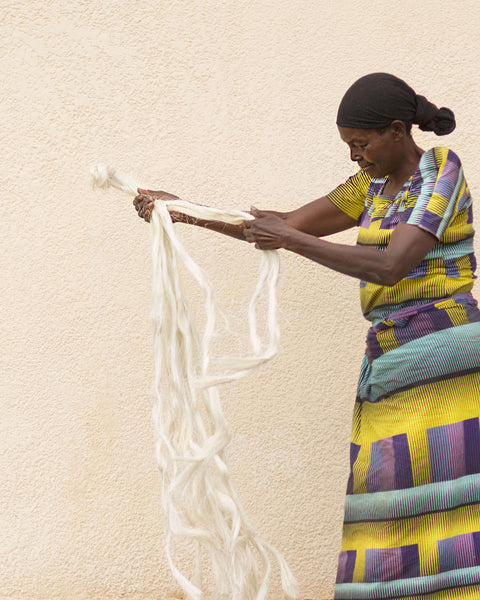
374,101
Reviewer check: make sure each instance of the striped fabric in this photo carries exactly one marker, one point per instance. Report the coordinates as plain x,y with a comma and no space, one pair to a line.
437,199
412,510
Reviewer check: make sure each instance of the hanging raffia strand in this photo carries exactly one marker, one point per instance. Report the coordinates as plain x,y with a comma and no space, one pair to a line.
200,503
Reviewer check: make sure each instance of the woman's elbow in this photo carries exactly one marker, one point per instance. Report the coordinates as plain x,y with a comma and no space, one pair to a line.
389,275
392,279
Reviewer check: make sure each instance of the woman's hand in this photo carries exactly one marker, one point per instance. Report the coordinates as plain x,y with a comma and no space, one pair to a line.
145,201
268,231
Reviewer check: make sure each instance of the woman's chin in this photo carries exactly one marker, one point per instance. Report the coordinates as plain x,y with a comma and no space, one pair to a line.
369,170
375,172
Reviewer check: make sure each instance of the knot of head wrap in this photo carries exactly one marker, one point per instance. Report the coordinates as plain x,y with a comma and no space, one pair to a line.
430,118
375,100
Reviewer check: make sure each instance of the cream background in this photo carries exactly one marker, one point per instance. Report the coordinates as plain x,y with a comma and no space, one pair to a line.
230,103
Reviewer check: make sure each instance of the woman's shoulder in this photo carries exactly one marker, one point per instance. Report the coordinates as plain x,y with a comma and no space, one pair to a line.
350,196
356,185
439,157
440,179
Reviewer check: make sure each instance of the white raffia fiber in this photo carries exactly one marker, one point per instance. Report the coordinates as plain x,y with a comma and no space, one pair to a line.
201,505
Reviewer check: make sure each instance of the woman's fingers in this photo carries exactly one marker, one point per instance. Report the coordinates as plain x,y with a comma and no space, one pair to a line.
146,208
145,202
247,231
140,200
265,230
144,205
261,240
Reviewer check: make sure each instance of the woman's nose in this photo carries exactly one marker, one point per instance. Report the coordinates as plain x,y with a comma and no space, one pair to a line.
355,155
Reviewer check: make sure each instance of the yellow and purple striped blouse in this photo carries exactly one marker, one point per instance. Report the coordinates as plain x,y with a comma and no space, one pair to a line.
437,199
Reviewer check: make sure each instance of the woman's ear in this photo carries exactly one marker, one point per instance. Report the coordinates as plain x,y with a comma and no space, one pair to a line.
399,129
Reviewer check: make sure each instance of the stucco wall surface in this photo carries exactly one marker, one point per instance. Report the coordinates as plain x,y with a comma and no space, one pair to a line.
229,103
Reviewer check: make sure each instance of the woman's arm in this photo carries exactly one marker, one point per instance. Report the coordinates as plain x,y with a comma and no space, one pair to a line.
318,218
408,246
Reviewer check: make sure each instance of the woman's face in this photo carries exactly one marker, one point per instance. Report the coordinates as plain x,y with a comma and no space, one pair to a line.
376,153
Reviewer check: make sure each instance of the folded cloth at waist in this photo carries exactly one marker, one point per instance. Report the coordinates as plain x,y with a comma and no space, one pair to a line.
414,322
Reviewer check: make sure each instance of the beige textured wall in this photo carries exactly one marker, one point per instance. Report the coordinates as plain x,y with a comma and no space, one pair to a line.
223,102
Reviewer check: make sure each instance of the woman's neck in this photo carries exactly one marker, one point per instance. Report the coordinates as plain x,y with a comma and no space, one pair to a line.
407,166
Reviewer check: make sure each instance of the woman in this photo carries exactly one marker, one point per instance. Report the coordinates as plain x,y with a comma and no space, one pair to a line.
412,511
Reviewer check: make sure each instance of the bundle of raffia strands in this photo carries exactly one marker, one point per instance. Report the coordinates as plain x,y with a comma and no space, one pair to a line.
201,505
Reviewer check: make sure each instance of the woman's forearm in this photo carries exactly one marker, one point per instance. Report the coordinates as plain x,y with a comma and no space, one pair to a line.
368,264
407,247
235,231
